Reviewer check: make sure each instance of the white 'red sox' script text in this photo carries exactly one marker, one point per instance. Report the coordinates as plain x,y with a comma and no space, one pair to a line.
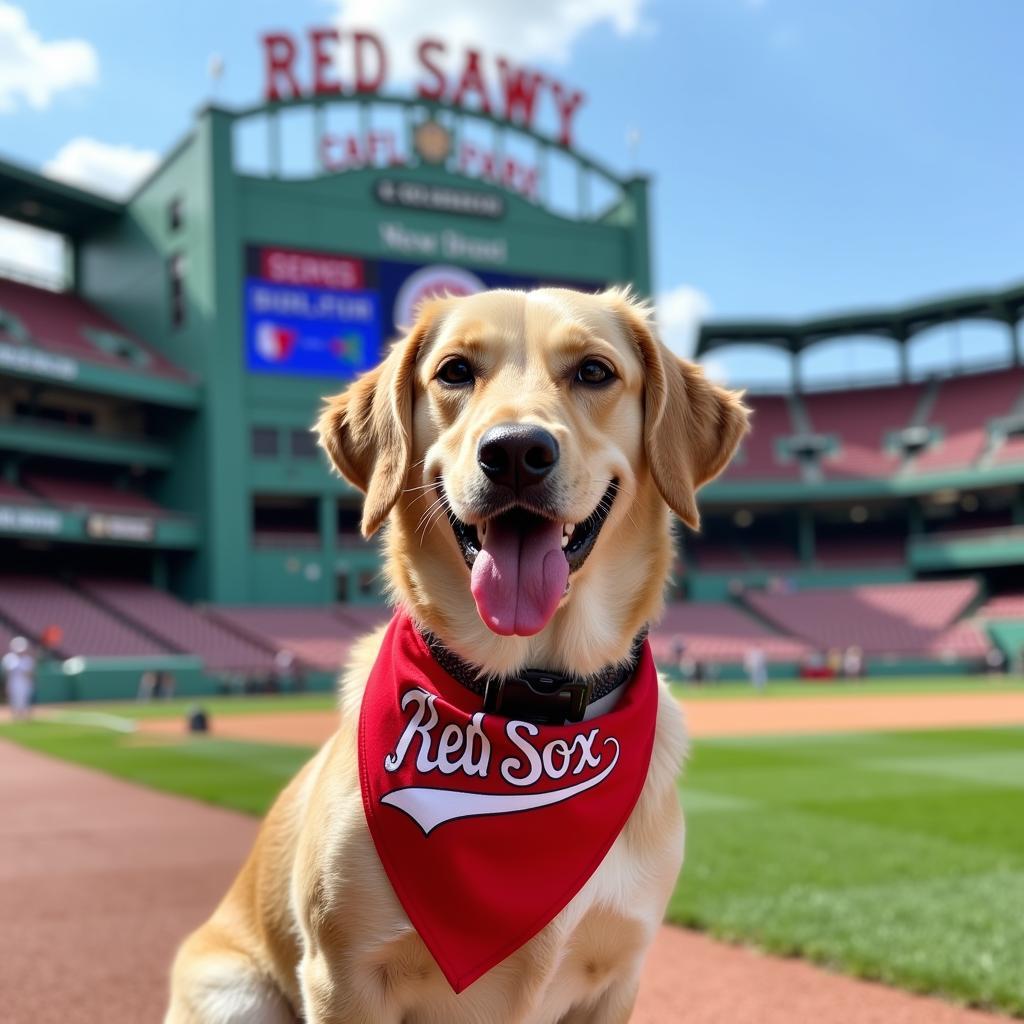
468,749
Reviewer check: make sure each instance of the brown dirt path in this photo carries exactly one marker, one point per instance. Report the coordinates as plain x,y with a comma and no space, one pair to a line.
100,879
707,717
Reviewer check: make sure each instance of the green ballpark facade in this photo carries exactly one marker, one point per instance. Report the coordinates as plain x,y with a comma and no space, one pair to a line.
273,255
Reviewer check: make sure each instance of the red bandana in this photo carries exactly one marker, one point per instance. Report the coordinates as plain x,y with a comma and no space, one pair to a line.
487,827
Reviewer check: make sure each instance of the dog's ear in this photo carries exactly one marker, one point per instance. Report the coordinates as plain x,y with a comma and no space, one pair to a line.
367,429
691,426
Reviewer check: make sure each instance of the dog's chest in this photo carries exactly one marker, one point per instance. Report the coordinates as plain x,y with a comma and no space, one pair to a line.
596,941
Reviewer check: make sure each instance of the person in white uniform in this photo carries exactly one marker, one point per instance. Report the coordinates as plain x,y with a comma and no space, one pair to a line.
19,670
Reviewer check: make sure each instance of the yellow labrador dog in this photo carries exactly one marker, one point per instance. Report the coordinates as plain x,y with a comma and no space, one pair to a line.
546,436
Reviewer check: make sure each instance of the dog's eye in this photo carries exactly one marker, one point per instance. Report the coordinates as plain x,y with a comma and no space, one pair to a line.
455,372
594,371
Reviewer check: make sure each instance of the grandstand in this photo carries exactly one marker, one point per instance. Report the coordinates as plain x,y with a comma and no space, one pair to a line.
163,504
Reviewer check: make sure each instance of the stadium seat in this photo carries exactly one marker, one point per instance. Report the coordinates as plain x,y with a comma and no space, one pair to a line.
714,632
179,626
1004,606
13,495
962,411
90,495
757,458
898,618
861,438
33,603
65,324
315,635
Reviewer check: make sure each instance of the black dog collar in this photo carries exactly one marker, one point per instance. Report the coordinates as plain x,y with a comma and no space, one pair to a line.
537,695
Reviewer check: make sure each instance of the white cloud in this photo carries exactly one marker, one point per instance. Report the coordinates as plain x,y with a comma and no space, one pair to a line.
679,313
33,70
91,164
541,30
716,370
30,251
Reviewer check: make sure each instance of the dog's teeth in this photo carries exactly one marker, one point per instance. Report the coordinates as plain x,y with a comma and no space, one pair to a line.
565,541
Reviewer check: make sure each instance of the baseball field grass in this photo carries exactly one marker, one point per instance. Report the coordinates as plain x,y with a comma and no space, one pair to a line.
895,856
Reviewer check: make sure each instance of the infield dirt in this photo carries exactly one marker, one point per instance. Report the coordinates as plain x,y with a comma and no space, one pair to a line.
754,716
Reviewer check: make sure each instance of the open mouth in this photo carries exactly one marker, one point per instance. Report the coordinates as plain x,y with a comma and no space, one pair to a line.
520,562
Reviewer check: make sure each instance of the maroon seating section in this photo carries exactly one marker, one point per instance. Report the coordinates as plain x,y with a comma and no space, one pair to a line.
1003,606
179,626
91,495
1011,450
315,635
861,419
757,459
762,556
12,494
835,553
898,618
33,603
710,556
714,632
56,321
264,538
963,409
962,640
363,618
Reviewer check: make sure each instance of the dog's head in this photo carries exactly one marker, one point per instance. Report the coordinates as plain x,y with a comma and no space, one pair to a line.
513,437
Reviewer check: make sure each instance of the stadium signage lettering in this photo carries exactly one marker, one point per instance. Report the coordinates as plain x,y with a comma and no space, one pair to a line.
355,150
328,61
40,364
42,522
311,269
416,195
447,244
135,529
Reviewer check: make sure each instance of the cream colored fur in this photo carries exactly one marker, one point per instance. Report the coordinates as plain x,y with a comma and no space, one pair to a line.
310,928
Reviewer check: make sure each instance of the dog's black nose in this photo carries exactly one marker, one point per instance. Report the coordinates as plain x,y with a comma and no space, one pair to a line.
517,455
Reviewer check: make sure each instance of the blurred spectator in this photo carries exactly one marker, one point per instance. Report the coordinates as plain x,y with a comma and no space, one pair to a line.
995,661
853,662
147,685
284,678
757,668
20,673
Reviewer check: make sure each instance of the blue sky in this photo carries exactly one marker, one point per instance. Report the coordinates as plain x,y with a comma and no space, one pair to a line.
808,155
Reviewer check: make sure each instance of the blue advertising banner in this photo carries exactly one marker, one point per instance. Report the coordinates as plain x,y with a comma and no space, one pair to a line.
311,331
330,315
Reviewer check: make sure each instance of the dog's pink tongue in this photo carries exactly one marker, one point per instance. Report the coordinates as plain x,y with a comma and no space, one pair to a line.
519,577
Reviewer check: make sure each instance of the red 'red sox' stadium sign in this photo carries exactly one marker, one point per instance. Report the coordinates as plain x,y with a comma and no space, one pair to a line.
332,62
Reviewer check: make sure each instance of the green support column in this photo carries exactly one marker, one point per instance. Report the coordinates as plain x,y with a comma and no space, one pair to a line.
904,355
637,188
1018,507
329,535
1015,342
160,576
216,290
805,537
915,520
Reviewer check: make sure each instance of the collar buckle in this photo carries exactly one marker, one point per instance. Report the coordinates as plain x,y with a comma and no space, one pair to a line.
534,695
